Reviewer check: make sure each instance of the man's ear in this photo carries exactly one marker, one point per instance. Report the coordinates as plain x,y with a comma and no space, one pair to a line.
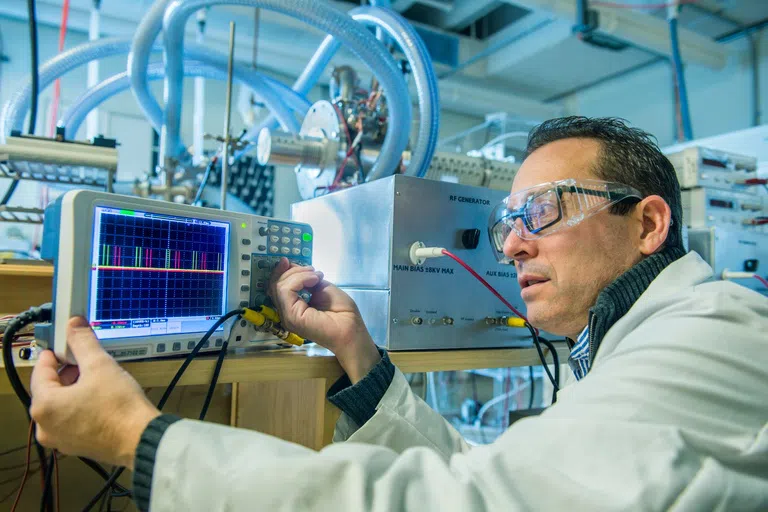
655,219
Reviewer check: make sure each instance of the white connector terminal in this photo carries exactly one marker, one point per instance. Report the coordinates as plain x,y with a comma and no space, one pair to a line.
729,274
419,253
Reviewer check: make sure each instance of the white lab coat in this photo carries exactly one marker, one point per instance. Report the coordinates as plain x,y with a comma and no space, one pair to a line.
672,416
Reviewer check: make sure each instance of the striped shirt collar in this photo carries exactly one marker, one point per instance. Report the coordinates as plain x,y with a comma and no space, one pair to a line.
579,358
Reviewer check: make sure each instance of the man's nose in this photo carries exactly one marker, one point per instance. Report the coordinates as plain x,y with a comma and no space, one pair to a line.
519,249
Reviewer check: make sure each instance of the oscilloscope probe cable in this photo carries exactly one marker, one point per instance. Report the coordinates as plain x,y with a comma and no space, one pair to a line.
41,313
167,394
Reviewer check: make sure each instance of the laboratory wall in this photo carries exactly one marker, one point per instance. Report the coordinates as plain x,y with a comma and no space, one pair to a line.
720,100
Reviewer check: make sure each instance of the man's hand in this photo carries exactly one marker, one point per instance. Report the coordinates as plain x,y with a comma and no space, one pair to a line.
331,318
94,409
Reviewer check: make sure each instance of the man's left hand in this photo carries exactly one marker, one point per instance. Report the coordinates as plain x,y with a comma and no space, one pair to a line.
95,409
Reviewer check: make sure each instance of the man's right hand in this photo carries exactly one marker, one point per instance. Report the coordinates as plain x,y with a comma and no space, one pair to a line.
331,318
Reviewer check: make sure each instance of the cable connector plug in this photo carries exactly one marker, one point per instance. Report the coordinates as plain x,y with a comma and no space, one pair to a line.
730,274
418,253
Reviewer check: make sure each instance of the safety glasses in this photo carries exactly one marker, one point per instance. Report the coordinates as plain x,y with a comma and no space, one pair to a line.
545,209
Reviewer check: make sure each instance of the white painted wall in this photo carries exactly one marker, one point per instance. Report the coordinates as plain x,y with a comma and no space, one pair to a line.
720,101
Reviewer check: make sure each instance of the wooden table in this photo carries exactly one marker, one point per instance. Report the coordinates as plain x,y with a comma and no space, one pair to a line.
276,391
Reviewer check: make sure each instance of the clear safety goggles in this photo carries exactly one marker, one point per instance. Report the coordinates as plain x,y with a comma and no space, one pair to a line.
545,209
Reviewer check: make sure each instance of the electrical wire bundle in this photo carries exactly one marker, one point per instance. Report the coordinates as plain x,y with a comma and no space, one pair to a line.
47,465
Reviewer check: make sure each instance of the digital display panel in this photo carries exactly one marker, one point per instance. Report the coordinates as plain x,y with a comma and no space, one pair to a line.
154,274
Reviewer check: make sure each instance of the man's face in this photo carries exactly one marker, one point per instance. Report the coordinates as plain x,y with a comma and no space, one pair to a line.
575,263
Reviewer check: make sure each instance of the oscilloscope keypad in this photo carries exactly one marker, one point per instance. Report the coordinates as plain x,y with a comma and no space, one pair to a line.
283,239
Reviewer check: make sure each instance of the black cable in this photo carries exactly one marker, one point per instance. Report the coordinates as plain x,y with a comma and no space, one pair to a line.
9,192
556,363
555,380
36,314
204,181
214,380
46,501
531,387
193,354
116,474
31,13
104,501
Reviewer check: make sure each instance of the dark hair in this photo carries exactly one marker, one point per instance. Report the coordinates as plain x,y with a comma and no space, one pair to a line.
628,155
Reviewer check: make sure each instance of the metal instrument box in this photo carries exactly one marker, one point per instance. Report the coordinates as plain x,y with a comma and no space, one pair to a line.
362,239
703,167
705,207
729,249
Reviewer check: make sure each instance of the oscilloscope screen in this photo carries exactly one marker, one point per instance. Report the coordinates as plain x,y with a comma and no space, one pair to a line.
154,274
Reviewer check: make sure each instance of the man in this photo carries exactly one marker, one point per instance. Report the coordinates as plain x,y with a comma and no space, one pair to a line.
667,408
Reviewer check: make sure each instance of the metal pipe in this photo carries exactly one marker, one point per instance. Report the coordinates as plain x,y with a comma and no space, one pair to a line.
227,117
741,32
94,32
755,58
198,118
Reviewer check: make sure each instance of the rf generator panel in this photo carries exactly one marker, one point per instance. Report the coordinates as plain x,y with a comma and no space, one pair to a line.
151,277
364,235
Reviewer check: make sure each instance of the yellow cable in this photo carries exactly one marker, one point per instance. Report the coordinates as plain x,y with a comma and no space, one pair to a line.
515,322
270,313
254,317
294,339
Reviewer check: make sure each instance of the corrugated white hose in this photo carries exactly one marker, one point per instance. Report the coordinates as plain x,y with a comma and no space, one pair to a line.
16,108
92,98
321,16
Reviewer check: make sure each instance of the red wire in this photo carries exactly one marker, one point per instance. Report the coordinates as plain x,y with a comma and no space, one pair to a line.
485,283
57,85
765,283
641,6
26,469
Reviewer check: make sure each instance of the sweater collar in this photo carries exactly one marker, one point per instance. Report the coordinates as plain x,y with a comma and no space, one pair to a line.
618,297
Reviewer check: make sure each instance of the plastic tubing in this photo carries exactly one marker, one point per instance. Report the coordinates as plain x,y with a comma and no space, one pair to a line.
77,113
16,108
138,61
321,16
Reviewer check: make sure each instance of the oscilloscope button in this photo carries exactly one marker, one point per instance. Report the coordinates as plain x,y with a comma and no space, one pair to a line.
274,228
245,273
285,250
286,240
296,231
296,251
160,348
245,288
306,252
273,249
176,346
286,229
191,345
262,248
263,231
246,241
245,257
263,264
296,241
274,239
